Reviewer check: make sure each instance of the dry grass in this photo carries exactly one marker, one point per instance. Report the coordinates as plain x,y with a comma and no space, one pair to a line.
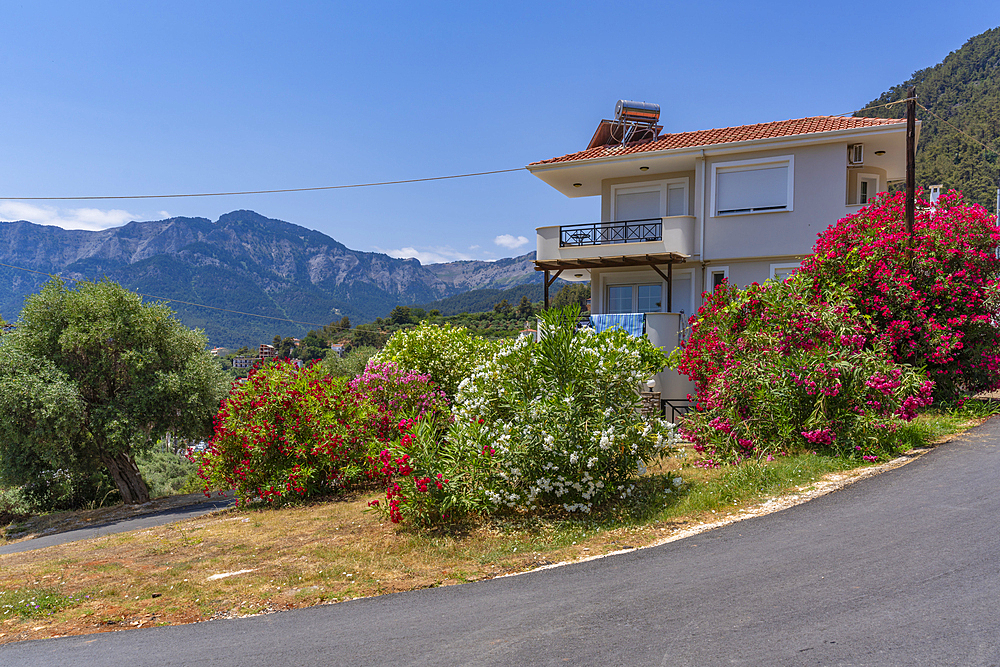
269,560
246,561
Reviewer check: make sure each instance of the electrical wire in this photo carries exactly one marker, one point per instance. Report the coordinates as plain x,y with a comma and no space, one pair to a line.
877,106
266,192
965,134
364,185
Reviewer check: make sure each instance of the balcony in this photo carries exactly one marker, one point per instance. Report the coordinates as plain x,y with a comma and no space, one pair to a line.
622,231
672,234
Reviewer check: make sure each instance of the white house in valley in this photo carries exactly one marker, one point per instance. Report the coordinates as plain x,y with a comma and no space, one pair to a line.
682,212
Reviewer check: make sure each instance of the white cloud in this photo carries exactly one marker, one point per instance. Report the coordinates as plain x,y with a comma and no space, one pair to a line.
92,219
509,241
428,255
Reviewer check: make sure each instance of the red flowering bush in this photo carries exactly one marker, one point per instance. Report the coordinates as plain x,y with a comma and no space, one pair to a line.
781,369
432,473
288,432
937,311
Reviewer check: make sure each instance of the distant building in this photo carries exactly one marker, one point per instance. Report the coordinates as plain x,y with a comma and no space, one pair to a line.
244,362
266,351
338,348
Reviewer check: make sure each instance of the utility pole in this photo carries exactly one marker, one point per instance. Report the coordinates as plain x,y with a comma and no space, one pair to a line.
911,144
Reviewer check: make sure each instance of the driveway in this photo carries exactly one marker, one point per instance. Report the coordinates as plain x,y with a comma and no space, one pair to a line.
177,509
898,569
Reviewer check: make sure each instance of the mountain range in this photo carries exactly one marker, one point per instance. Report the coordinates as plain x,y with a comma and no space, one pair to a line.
241,262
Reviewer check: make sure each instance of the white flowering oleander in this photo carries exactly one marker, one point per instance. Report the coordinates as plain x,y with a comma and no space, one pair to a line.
561,422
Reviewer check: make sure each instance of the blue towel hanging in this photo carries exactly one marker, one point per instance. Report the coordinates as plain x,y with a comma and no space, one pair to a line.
630,322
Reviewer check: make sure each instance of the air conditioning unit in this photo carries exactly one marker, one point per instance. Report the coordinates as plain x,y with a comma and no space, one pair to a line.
856,154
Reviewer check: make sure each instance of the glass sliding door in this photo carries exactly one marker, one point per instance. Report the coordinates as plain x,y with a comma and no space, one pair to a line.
620,299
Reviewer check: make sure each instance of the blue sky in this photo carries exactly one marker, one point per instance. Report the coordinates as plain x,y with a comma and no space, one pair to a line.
125,98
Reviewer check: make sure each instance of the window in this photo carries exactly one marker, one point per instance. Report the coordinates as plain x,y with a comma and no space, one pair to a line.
867,187
635,298
620,299
716,276
649,200
752,186
783,271
635,204
677,198
648,298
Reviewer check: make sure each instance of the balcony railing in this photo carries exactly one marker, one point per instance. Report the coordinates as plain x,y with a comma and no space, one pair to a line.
620,231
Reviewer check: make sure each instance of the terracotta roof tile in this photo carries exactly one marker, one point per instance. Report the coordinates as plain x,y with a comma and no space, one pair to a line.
728,135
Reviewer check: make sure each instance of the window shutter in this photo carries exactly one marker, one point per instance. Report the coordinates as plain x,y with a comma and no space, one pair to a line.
675,200
637,205
747,190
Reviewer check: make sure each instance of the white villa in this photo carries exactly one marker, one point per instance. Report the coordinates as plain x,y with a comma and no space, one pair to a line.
682,212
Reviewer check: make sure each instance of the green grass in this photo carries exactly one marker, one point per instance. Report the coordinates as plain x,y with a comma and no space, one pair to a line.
35,603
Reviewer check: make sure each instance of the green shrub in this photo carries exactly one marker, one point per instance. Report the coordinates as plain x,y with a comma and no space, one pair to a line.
448,354
436,471
562,415
779,369
288,432
166,473
351,364
13,505
553,423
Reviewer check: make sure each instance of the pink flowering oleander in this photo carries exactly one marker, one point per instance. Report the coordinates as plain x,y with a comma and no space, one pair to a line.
934,311
801,364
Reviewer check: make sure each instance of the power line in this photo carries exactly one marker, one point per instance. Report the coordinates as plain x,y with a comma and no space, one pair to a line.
265,192
965,134
992,149
877,106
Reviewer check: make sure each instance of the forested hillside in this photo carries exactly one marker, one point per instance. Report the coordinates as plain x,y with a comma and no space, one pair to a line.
962,94
480,300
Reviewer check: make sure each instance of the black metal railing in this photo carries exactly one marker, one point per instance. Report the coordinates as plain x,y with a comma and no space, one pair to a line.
619,231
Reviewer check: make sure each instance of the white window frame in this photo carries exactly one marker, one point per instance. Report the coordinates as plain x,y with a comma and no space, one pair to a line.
687,196
870,177
650,186
783,265
748,165
712,270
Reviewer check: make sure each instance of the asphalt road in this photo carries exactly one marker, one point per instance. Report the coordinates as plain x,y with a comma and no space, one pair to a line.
899,569
122,525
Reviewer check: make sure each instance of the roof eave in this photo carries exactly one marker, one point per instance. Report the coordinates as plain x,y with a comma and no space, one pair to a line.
708,150
590,172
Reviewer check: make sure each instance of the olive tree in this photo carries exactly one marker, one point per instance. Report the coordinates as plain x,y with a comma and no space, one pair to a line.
92,376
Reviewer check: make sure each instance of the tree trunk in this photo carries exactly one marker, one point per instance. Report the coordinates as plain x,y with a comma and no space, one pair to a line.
126,476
